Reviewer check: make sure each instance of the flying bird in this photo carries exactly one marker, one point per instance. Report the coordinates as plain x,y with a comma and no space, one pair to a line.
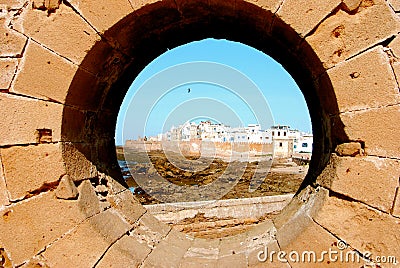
188,90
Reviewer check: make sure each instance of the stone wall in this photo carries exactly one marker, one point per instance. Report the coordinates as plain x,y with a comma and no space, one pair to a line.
65,67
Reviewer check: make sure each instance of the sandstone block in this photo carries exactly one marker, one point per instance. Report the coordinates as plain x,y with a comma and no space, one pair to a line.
8,68
94,236
129,207
64,31
11,4
19,126
307,16
272,5
365,81
170,251
377,128
126,252
353,177
88,200
103,14
78,161
349,149
43,74
338,37
30,168
3,188
362,227
395,4
351,5
236,260
11,42
396,204
27,227
66,189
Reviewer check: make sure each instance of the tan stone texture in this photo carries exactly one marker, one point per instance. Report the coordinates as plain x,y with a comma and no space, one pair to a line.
365,81
349,149
88,200
27,227
44,75
3,188
104,13
377,128
396,204
19,126
371,180
66,189
126,252
8,68
395,4
308,14
94,236
78,163
11,42
170,251
339,36
130,208
29,168
53,31
362,227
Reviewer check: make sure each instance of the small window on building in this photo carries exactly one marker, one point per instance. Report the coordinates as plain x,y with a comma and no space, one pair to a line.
280,144
304,145
279,133
284,133
295,146
273,133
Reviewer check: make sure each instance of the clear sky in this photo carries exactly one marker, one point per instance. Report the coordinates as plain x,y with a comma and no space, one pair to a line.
221,80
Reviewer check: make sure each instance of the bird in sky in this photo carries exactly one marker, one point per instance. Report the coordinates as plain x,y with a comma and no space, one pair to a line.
188,90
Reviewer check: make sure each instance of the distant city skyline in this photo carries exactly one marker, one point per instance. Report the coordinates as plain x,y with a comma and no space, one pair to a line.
198,99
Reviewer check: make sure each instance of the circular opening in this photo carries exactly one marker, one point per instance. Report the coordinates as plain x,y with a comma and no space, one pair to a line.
89,118
191,130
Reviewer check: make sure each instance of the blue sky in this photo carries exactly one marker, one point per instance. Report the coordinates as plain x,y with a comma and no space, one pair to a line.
244,86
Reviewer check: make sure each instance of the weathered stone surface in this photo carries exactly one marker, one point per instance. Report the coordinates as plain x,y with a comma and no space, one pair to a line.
93,236
27,227
103,14
52,31
396,204
29,168
338,37
88,200
19,126
377,128
362,227
130,208
43,74
11,4
351,5
49,5
272,5
371,180
36,262
395,4
170,251
365,81
66,189
149,231
7,71
126,252
308,14
78,161
11,42
235,260
3,188
349,149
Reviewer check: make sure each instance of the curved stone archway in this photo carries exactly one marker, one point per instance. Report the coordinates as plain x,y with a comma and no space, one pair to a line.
67,66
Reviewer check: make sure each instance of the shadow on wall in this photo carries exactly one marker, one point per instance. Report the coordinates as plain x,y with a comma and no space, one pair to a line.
109,68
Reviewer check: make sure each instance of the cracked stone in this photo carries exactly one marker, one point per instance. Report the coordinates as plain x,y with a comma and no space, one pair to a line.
66,189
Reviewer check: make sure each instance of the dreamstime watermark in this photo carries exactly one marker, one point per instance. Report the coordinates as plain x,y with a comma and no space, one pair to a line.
340,254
